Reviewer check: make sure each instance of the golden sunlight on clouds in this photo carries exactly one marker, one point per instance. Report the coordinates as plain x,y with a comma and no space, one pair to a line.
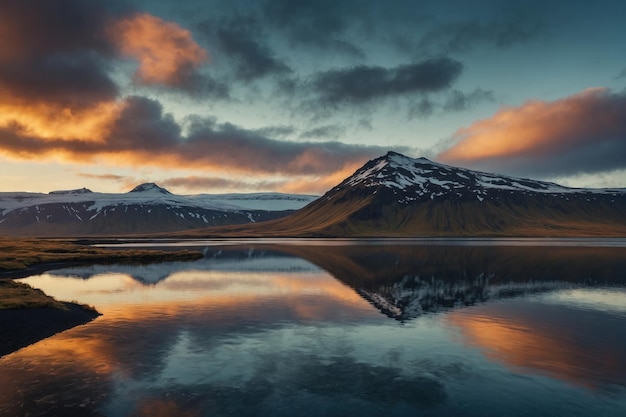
52,121
536,128
318,185
165,51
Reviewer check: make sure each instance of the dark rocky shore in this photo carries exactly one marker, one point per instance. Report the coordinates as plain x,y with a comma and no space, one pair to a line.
24,326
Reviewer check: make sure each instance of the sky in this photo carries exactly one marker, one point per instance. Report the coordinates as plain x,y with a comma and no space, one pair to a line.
209,96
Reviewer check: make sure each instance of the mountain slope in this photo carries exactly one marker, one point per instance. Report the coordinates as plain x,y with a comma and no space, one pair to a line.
395,195
147,208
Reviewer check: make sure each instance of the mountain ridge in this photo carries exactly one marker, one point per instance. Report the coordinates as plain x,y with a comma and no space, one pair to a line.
395,195
147,208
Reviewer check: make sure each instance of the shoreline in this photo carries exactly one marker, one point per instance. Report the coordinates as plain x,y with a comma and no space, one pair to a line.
23,327
28,315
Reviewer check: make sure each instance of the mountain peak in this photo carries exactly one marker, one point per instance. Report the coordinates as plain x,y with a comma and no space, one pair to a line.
417,178
77,191
398,158
149,187
393,170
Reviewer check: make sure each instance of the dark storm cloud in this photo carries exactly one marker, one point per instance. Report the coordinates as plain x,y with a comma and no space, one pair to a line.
34,27
55,51
142,126
62,52
68,79
362,84
583,133
241,38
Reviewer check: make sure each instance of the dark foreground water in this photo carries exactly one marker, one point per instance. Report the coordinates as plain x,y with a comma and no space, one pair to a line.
431,329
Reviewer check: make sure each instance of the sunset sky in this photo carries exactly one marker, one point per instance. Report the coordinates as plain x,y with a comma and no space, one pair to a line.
209,96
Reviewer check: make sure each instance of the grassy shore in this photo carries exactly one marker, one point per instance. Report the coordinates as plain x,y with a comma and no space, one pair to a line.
20,255
28,314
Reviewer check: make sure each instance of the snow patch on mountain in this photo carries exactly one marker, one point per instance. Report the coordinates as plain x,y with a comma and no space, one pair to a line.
151,194
424,177
149,187
77,191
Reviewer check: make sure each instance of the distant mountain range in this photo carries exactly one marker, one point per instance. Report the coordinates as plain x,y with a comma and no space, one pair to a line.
390,196
147,208
395,195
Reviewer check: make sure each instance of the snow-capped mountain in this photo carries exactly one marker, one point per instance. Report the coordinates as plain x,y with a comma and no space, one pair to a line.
147,208
414,179
395,195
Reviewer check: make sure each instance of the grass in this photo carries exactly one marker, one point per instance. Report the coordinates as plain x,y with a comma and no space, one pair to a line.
14,295
19,254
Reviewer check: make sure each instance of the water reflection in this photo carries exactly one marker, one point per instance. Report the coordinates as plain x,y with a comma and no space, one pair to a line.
298,330
580,346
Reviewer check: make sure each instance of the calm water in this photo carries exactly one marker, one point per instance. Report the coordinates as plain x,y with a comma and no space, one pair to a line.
433,329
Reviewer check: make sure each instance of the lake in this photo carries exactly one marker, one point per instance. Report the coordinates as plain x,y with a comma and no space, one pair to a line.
476,327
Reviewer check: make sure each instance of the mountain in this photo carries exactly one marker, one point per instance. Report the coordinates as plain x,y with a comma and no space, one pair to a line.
395,195
150,187
147,208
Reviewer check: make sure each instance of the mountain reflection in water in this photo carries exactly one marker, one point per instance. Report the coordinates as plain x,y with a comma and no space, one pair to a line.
298,330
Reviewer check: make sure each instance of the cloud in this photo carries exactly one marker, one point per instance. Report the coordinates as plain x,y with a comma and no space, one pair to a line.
454,101
228,145
166,52
139,132
56,61
458,100
241,38
322,24
52,52
463,36
422,108
324,132
362,84
35,27
111,177
276,131
195,183
582,133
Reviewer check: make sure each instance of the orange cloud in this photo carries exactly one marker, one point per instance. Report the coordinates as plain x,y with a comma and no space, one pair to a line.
167,53
47,121
585,131
319,185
